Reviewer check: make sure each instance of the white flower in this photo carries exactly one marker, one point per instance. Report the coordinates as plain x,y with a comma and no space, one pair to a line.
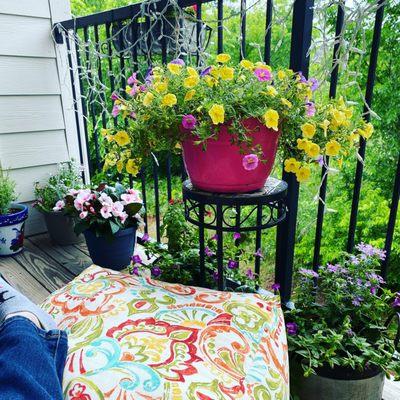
106,200
59,205
128,198
123,216
105,211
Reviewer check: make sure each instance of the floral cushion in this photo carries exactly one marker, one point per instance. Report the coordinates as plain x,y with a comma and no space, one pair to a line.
135,338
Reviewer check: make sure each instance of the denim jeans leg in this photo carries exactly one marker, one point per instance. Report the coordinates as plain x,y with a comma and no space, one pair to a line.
31,361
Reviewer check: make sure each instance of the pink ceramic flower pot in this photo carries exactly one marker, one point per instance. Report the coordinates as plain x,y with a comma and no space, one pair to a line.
220,167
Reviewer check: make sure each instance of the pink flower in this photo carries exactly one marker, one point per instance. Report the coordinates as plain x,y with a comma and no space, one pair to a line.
236,236
132,79
189,121
115,111
105,212
128,198
145,238
310,109
132,115
134,90
59,205
262,74
123,216
250,162
114,96
83,214
78,204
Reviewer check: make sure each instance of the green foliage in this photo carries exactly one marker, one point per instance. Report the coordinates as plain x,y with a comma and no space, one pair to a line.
7,192
340,320
68,176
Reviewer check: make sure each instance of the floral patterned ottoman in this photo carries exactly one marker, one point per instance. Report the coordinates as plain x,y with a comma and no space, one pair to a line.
133,338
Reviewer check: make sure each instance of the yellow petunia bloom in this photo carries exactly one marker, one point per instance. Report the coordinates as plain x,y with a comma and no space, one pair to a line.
215,72
338,117
291,165
286,103
104,132
308,130
324,125
313,150
223,58
246,64
217,114
271,91
303,144
281,75
120,166
226,73
132,167
191,81
332,148
174,68
271,119
211,81
161,87
303,174
368,130
192,72
169,100
189,95
122,138
148,99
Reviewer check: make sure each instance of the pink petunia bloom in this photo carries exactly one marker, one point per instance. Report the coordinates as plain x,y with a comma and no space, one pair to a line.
59,205
83,214
78,204
134,90
132,79
105,212
250,162
189,121
115,111
262,74
114,96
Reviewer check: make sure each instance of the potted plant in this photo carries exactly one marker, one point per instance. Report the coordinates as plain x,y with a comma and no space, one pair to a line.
50,202
12,217
229,119
108,218
339,333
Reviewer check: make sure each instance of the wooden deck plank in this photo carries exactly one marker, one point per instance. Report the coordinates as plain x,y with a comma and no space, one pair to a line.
22,280
70,257
48,272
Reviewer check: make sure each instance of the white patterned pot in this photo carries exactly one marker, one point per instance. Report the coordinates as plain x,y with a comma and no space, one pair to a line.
12,230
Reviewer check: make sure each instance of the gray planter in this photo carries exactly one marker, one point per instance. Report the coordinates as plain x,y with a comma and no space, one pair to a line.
318,387
61,228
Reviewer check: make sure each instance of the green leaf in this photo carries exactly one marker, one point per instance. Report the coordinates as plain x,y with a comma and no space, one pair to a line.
114,227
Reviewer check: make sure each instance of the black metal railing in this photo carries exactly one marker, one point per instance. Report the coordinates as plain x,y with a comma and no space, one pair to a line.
92,26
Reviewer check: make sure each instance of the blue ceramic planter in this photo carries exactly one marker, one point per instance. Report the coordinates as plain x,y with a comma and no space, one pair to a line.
12,227
115,254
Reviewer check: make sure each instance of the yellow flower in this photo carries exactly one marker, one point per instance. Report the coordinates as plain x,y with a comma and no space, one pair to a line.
332,148
303,144
192,72
132,167
281,75
226,73
148,99
261,65
355,135
286,103
217,114
271,91
292,165
247,64
110,138
104,132
128,89
189,95
367,131
169,100
338,117
161,87
324,125
191,81
308,130
174,68
303,173
223,58
271,119
122,138
348,112
313,150
120,166
215,72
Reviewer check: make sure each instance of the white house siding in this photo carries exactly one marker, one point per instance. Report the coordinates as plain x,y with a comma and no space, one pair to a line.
33,110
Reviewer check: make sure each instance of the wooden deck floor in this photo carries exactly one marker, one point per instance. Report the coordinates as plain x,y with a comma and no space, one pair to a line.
44,267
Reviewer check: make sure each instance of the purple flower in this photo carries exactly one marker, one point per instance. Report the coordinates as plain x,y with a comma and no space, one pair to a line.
114,96
396,302
236,236
115,111
232,264
302,77
155,271
320,161
310,109
149,76
215,275
142,88
250,162
258,253
178,61
189,121
309,273
375,277
276,286
136,259
215,237
145,238
354,260
292,328
132,115
132,79
357,301
373,290
359,282
250,274
350,332
368,250
205,71
208,252
314,84
262,74
333,268
135,271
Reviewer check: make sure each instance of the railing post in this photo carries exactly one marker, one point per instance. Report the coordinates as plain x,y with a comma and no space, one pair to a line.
286,232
